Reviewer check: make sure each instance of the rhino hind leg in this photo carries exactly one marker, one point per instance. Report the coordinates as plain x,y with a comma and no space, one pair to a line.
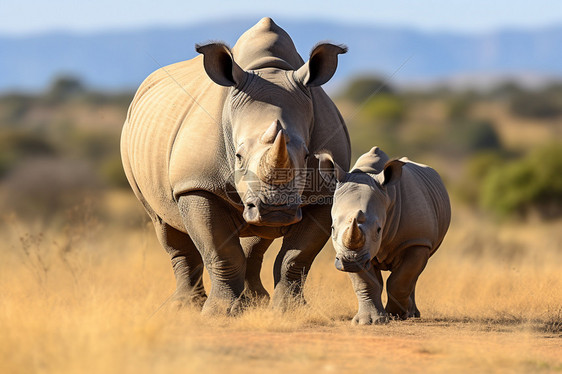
300,246
413,311
402,282
187,265
254,248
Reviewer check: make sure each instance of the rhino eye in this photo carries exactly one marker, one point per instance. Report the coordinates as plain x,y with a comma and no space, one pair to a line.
239,157
378,230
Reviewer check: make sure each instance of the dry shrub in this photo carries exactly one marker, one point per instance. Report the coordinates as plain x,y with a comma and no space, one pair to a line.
41,189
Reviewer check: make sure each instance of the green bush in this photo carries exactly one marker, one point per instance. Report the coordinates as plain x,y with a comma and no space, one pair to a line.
383,108
542,105
17,145
474,136
533,183
458,107
477,168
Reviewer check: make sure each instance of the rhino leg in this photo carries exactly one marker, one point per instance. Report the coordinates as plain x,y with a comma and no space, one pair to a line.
208,221
402,282
413,311
186,262
254,248
300,246
368,286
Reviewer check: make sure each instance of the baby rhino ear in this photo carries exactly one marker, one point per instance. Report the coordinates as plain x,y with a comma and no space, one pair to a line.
329,170
391,174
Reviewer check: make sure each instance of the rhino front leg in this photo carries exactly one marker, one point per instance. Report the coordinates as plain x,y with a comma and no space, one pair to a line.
402,282
208,221
186,262
254,247
300,246
367,285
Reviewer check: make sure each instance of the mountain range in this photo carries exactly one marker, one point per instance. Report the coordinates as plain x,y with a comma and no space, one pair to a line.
120,60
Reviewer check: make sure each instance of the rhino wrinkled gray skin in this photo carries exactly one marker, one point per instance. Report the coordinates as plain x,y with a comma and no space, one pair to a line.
216,149
387,215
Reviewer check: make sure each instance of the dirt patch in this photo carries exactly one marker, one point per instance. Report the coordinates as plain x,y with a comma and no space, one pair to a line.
415,346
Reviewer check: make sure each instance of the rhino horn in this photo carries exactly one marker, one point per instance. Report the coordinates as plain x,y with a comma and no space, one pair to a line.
270,134
275,166
353,237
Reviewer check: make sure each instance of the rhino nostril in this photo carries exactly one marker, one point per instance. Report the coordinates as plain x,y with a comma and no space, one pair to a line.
250,205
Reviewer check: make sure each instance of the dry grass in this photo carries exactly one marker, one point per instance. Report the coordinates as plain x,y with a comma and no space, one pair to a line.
87,299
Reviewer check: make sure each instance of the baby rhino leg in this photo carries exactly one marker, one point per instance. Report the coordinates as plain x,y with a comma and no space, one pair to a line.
402,282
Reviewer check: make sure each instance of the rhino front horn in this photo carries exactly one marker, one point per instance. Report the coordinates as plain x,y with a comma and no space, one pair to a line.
353,237
275,165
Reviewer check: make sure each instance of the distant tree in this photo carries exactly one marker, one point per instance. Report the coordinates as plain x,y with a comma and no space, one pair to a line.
506,90
540,105
65,87
474,136
459,105
360,89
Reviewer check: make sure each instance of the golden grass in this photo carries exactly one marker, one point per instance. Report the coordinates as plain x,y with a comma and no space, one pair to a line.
88,301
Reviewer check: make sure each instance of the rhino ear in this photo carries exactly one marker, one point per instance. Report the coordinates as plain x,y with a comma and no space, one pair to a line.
321,66
329,170
391,174
220,65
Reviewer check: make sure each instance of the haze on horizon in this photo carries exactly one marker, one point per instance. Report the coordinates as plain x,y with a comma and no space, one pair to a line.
479,16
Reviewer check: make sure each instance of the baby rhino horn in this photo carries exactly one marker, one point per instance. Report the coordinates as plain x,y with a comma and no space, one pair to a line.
353,237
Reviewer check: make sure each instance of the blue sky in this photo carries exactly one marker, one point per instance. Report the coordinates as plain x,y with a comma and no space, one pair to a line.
36,16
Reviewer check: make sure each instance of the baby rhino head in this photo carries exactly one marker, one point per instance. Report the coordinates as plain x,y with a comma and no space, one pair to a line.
360,208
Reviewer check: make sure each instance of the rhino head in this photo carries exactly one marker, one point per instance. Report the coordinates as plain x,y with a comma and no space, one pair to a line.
359,211
269,116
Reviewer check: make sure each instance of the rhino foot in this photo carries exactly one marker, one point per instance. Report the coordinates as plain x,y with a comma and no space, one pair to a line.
253,298
182,300
255,294
288,302
369,317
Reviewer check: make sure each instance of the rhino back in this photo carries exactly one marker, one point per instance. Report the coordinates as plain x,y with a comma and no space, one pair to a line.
172,138
422,208
329,130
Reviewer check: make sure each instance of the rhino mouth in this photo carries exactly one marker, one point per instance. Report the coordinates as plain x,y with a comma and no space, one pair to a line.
259,214
353,264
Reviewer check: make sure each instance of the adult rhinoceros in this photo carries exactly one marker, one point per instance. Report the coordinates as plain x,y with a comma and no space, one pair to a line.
216,149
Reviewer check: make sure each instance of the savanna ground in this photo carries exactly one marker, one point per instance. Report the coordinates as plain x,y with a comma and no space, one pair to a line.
89,298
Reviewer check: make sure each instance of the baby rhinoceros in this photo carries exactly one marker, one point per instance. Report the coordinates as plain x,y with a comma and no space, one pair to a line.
387,215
